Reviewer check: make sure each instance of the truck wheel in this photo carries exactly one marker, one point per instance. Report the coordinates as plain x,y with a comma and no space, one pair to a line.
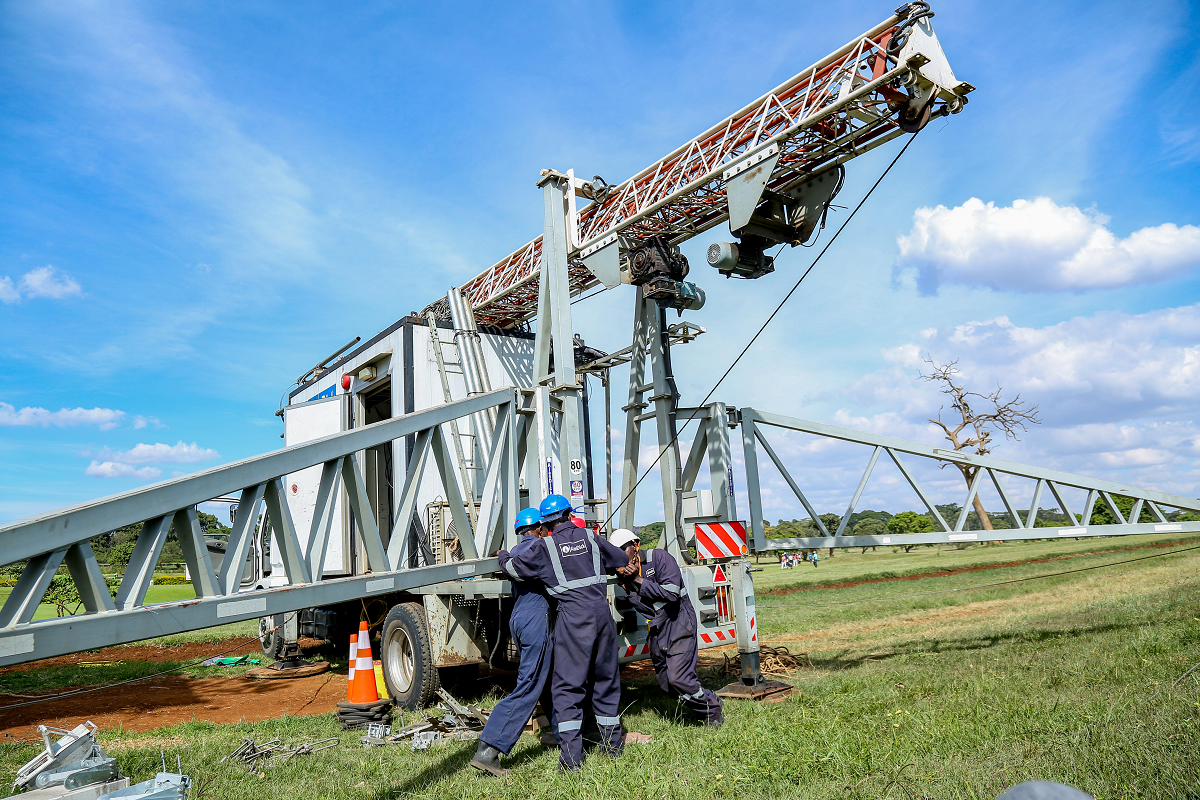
270,636
408,670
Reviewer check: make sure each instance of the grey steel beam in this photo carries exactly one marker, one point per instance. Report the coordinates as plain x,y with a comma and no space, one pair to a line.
966,506
750,438
60,529
195,552
1062,503
462,525
279,515
322,522
364,517
951,456
407,501
916,486
1089,507
1036,502
139,573
89,580
1112,508
494,502
53,637
241,537
1004,498
31,587
862,484
787,476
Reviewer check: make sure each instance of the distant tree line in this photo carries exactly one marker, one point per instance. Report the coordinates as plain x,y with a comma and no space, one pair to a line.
883,523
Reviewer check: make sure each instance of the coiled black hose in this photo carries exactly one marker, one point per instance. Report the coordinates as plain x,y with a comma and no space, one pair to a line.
917,11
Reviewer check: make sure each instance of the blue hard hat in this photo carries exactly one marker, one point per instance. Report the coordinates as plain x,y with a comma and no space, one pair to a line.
554,506
528,517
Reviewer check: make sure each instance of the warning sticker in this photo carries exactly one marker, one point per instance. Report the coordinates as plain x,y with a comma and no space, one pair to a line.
719,575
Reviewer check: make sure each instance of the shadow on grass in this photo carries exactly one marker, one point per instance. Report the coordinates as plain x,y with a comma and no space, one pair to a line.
452,763
842,661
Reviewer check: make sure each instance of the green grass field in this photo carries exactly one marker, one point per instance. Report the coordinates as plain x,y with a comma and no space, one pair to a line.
952,695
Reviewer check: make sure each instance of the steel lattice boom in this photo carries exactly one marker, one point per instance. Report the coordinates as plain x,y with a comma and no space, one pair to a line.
839,108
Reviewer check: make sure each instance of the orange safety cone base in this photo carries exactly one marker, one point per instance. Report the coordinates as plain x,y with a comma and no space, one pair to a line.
362,687
353,660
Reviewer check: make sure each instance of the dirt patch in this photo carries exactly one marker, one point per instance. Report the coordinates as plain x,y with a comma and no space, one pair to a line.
942,573
186,652
171,700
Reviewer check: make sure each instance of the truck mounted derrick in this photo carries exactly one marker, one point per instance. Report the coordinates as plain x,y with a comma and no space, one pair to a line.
408,456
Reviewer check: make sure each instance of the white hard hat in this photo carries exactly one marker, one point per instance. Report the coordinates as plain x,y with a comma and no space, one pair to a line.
621,537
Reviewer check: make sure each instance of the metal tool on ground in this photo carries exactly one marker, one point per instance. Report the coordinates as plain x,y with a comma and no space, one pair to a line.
249,751
73,754
163,786
458,722
258,756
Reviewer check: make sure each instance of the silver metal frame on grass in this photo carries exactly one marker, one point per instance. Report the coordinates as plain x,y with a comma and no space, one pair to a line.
753,437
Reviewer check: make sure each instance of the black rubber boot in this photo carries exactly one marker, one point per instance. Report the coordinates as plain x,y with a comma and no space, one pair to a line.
715,722
487,759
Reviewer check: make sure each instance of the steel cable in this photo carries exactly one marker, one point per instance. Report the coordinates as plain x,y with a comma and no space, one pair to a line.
89,690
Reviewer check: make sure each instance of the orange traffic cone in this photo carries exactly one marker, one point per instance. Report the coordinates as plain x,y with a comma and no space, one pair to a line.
353,659
362,685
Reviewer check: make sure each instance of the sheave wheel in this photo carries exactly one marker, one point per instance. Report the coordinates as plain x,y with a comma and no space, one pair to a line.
408,670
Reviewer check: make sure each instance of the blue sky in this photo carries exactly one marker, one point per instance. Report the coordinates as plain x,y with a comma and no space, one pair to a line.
199,200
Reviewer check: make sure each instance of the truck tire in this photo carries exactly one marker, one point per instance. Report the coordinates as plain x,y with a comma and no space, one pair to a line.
407,657
270,636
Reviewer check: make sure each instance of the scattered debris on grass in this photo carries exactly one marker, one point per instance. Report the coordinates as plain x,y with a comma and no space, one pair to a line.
456,723
256,756
229,661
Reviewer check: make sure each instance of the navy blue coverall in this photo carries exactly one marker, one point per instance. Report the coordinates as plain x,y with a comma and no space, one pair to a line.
529,625
663,601
572,564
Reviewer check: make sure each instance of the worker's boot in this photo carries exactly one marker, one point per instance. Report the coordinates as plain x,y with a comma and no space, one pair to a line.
487,759
715,722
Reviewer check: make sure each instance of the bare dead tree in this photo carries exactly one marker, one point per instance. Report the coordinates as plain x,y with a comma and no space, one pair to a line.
973,429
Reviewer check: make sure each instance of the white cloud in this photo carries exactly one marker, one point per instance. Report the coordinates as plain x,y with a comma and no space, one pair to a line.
1117,393
140,422
159,453
41,282
1105,367
112,469
104,418
48,282
1039,246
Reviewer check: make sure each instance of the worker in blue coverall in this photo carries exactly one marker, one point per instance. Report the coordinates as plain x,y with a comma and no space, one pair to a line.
573,564
658,594
529,623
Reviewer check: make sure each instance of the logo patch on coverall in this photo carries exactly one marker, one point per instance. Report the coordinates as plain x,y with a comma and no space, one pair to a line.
574,548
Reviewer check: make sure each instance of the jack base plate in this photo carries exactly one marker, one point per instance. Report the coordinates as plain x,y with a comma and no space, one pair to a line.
759,691
292,668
